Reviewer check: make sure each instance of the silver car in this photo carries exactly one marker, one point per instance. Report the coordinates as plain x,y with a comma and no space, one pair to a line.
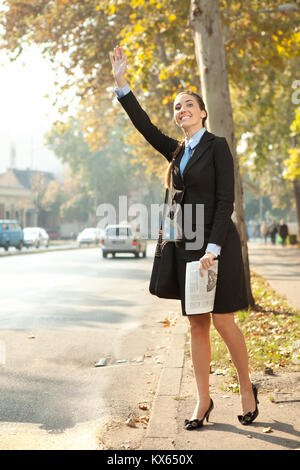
122,239
89,236
35,236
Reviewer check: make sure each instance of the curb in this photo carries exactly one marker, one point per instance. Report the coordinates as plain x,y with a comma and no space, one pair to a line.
162,427
45,250
58,248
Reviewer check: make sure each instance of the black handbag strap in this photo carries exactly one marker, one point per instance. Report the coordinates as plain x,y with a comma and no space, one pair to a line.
164,214
162,224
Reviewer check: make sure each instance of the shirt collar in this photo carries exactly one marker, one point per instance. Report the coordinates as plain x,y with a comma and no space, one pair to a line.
194,140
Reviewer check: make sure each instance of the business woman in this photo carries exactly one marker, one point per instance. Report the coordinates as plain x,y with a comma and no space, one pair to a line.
201,167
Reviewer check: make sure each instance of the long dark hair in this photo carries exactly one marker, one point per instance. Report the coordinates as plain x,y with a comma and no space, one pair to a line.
181,142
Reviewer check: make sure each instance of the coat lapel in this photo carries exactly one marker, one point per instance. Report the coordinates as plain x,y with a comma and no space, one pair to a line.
199,150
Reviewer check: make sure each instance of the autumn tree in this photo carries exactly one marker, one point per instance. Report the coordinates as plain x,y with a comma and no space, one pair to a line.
257,38
100,176
78,35
272,151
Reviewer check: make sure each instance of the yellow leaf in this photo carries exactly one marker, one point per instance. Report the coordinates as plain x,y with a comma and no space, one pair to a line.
267,430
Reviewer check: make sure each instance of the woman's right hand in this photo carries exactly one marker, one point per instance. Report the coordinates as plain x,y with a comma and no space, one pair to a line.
119,64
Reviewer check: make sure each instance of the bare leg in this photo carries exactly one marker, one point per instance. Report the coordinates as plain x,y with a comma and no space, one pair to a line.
200,351
236,345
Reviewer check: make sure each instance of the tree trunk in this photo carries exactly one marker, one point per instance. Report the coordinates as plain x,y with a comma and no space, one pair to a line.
205,21
296,184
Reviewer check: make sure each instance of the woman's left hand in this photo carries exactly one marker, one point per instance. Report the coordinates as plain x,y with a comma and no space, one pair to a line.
206,262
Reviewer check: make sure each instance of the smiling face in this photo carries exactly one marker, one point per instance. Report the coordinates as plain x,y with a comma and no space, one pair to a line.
187,114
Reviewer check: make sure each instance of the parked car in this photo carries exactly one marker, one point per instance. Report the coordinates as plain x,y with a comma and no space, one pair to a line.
35,236
54,235
11,234
122,239
89,236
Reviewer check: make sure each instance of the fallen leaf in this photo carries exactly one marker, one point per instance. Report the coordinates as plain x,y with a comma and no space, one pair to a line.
131,422
267,430
234,387
219,372
138,359
102,362
126,445
168,322
143,406
144,419
268,371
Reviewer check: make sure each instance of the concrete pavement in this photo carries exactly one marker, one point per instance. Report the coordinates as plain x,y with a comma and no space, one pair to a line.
280,266
278,424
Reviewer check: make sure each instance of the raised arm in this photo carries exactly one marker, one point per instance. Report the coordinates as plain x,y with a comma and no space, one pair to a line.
161,142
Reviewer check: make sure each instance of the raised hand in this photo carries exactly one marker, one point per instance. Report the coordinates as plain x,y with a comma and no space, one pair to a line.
119,64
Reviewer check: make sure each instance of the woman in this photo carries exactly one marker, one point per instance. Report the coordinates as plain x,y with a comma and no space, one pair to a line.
273,231
264,230
202,173
283,231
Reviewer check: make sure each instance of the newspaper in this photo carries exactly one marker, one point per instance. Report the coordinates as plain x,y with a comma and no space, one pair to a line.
200,291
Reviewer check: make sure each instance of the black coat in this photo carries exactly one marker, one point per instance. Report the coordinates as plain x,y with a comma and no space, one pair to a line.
208,179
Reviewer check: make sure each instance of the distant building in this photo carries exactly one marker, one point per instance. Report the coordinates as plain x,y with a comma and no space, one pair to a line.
18,194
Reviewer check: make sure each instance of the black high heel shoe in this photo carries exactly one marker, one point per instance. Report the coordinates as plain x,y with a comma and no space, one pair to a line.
249,417
190,425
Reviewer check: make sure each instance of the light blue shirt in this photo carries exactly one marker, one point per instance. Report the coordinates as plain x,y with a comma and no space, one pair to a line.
120,92
192,142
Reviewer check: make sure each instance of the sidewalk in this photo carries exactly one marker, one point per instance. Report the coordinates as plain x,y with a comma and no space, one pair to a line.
278,424
280,266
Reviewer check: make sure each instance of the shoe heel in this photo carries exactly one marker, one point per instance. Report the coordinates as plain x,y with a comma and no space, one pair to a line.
249,417
255,394
210,410
198,423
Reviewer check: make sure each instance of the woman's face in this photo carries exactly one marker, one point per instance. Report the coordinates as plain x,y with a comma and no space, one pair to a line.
187,112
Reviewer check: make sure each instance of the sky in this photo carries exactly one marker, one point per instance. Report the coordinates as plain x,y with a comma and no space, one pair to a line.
25,114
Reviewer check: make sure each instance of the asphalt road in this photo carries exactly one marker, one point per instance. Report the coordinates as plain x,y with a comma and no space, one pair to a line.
60,313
